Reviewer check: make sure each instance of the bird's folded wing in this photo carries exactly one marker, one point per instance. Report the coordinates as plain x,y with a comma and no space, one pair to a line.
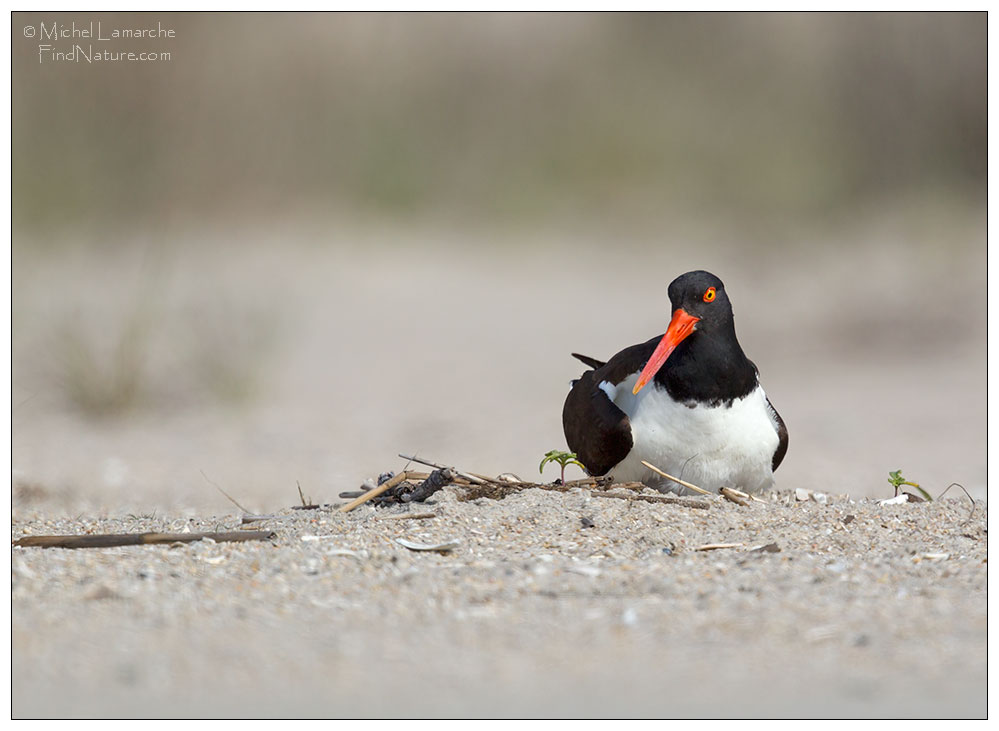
595,429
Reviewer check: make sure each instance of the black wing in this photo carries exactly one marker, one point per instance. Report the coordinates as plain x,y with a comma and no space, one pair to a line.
779,425
595,428
591,362
781,433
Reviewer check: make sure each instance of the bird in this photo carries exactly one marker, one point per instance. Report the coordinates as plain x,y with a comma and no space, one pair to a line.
688,402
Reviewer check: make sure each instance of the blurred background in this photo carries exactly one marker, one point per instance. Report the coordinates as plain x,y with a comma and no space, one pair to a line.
293,246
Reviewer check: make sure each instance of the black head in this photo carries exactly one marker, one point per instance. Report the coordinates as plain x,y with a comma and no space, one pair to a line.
702,327
702,295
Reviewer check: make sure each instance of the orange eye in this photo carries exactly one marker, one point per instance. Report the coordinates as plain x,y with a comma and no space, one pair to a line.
709,294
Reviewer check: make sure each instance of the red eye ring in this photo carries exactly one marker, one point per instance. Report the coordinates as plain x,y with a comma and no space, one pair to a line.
709,294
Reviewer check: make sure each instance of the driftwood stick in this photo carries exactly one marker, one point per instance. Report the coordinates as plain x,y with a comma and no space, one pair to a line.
717,546
387,485
498,481
418,475
512,483
487,478
736,496
677,480
428,463
685,502
413,477
351,494
107,540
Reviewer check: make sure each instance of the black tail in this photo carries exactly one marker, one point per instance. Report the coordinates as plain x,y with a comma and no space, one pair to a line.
591,362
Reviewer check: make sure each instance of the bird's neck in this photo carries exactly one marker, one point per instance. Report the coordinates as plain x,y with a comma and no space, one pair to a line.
709,367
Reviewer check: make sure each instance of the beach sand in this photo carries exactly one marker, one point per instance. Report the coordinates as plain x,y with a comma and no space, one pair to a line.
849,608
252,364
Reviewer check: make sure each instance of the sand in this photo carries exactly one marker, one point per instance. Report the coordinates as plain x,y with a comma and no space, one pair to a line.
266,358
849,608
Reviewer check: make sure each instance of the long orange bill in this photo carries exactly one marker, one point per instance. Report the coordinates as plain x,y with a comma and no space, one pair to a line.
679,328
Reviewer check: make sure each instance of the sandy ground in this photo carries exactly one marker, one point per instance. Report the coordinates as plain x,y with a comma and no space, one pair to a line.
261,362
862,610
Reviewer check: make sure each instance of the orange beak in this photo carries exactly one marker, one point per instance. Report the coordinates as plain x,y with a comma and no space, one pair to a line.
679,328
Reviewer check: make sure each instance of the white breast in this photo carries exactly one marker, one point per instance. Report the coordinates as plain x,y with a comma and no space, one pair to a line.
711,447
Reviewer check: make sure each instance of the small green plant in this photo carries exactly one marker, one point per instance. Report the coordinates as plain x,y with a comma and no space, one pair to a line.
563,458
897,480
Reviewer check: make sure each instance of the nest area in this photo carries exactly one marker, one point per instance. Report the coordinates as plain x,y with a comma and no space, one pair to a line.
414,486
418,486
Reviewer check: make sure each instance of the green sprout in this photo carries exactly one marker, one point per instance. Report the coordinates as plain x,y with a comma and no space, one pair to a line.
896,480
563,458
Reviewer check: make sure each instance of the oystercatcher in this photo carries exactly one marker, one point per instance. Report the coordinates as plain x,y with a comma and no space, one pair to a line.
689,402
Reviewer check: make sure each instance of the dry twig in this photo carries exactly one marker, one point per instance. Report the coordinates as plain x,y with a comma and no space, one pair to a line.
108,540
716,546
230,497
736,496
685,502
677,480
467,476
385,486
